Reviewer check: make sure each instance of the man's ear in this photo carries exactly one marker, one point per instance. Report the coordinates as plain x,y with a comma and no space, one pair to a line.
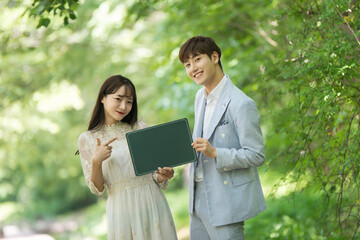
215,57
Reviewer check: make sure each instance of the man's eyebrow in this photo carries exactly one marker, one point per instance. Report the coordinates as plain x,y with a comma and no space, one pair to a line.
195,55
192,56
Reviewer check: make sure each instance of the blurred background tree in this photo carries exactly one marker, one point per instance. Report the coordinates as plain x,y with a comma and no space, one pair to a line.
299,60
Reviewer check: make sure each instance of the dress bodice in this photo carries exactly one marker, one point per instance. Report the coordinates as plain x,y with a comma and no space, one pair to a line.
117,170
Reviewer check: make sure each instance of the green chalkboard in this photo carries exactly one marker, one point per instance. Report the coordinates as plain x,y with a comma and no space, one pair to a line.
163,145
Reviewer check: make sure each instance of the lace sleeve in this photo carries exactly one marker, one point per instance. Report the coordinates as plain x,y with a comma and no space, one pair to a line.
86,152
162,185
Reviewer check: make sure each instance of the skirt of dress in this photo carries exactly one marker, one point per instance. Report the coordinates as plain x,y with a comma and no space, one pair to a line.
138,210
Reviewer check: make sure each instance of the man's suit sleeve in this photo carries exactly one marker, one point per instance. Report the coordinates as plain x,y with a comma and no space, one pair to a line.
246,121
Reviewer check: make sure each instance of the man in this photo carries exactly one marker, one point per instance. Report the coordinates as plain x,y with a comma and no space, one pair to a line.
225,188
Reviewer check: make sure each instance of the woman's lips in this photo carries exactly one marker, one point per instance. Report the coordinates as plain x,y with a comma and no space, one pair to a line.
122,113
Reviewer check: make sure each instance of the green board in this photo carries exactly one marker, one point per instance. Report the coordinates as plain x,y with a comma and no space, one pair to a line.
164,145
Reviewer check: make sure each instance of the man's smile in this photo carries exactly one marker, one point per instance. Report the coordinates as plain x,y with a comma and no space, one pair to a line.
197,75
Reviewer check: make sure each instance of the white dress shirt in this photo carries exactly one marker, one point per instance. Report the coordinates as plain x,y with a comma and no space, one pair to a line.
211,100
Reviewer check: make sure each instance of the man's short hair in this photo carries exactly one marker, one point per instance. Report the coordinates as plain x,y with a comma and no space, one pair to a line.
198,45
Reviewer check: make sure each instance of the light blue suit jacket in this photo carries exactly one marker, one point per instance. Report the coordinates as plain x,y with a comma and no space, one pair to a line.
232,184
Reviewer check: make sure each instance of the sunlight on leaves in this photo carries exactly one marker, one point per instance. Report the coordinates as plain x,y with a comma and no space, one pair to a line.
60,97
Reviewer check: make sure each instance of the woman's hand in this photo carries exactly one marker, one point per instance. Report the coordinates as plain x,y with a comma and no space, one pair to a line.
164,174
203,145
102,151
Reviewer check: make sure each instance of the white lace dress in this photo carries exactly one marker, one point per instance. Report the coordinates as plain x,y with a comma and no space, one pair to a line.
136,208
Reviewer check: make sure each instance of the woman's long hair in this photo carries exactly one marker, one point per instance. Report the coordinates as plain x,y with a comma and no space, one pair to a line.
110,86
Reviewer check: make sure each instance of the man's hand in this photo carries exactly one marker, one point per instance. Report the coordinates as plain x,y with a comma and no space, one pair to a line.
203,145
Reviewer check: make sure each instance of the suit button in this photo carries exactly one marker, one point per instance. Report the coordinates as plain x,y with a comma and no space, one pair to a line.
223,135
225,182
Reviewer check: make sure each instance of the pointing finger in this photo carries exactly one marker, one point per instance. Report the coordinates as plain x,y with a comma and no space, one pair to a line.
110,141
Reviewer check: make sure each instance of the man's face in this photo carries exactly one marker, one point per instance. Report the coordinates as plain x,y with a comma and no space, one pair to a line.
201,69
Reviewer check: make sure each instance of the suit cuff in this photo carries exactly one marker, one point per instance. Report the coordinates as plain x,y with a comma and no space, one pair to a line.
221,164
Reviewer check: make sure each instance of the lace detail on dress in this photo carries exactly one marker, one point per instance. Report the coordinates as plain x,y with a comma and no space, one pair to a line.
118,130
116,126
128,183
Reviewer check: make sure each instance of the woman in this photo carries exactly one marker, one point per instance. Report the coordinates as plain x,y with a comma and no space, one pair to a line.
136,207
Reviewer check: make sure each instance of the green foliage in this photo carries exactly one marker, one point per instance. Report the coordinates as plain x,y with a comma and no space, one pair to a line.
178,182
178,203
41,122
42,9
299,60
319,70
289,217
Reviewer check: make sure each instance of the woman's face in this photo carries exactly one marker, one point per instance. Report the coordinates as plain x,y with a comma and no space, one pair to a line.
117,105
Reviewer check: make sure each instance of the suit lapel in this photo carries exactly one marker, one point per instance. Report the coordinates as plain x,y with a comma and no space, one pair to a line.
220,108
